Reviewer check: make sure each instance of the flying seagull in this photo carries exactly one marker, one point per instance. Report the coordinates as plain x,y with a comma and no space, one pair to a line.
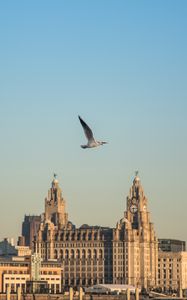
89,135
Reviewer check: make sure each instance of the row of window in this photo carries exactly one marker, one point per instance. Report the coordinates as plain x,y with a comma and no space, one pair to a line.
17,278
83,281
78,237
49,279
167,265
169,259
74,245
49,272
78,254
120,256
15,272
13,265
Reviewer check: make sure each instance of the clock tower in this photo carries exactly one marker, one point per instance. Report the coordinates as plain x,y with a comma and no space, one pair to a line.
137,212
135,237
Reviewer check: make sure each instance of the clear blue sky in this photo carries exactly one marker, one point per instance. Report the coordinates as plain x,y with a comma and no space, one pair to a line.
121,65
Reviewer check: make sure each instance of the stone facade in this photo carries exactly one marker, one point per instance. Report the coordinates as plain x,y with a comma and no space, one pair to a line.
135,246
16,271
93,254
86,252
172,271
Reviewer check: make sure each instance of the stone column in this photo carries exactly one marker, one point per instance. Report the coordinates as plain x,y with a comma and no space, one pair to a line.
19,293
137,294
180,293
128,294
8,293
71,293
80,293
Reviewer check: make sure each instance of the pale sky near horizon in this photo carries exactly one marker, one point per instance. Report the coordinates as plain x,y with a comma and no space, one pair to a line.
122,66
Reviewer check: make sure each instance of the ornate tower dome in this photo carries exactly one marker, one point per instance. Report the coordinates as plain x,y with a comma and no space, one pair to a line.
55,205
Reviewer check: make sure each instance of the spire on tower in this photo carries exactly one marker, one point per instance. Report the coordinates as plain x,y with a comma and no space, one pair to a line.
136,173
55,180
137,178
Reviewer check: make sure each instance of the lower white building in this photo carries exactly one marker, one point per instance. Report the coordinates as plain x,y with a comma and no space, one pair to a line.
17,271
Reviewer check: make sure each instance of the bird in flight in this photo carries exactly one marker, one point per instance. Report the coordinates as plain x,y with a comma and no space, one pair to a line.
89,135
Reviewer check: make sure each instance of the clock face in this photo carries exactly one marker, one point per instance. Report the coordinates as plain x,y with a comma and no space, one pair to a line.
133,201
144,207
133,208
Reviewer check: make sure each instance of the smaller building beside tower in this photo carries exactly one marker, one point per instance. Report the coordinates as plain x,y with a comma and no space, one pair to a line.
18,271
171,245
7,249
172,265
172,271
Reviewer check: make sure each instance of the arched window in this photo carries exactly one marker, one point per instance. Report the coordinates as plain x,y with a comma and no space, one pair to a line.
83,254
89,236
61,254
100,253
72,254
89,254
78,254
95,254
66,254
55,254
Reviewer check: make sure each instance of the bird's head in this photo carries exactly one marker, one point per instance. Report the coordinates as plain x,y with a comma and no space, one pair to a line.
102,143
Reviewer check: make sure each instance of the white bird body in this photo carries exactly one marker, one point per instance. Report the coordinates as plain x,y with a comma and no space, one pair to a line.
92,143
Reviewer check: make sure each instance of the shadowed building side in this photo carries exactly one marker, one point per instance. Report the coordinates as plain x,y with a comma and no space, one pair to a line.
30,227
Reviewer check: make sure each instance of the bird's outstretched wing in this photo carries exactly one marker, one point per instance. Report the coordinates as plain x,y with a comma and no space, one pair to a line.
88,132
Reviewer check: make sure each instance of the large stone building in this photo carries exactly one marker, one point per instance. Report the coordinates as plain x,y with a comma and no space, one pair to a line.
172,265
93,254
172,271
